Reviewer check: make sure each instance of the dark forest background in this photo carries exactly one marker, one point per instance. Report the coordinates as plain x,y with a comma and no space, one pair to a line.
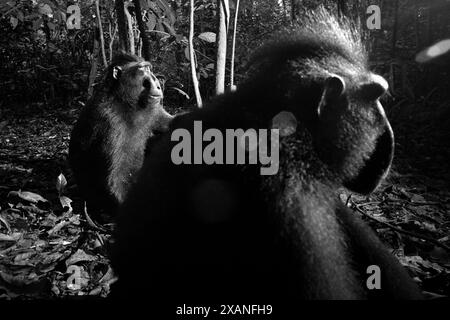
47,73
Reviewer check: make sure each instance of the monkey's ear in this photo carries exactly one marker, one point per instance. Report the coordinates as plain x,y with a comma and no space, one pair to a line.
333,89
375,88
117,71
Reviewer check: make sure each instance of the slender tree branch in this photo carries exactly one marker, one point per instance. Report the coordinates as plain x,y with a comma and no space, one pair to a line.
221,44
130,27
111,41
198,97
409,233
100,30
233,46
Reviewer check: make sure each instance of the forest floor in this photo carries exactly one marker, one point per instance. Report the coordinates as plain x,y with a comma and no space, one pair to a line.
48,249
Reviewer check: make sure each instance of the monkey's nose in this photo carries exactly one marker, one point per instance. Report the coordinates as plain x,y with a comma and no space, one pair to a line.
156,82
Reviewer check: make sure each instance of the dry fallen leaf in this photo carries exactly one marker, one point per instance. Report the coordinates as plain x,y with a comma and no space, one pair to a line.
27,196
79,256
5,223
13,237
417,198
66,203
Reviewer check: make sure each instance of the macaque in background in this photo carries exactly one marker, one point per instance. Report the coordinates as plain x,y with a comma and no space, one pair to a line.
108,142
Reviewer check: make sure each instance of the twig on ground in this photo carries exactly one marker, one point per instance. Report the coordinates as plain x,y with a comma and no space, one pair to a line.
412,234
91,223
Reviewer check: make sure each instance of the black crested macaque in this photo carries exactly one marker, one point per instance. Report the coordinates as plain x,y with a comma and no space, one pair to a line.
108,141
222,232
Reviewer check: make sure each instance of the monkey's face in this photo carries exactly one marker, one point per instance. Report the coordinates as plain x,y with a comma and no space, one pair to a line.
353,134
138,84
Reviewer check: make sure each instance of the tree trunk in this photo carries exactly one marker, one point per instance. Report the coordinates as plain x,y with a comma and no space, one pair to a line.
142,30
100,30
130,28
233,46
285,12
294,9
198,97
94,66
223,10
124,43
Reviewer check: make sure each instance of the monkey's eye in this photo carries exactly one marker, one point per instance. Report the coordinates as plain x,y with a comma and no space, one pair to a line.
144,69
138,72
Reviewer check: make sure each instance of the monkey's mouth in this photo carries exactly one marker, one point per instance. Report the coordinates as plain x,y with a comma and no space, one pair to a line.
376,167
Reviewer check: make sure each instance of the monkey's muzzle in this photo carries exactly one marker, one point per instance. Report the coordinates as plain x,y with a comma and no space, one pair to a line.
152,86
376,167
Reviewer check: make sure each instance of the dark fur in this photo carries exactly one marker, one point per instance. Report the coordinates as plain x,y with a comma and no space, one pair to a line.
108,141
225,233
